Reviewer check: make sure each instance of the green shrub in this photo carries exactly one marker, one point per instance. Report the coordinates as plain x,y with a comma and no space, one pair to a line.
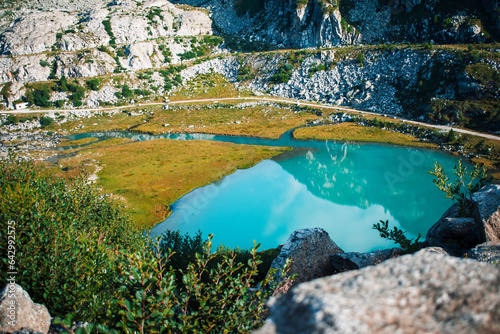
317,68
93,84
127,93
361,58
11,119
461,189
65,237
46,121
283,74
39,97
398,236
152,297
107,26
44,63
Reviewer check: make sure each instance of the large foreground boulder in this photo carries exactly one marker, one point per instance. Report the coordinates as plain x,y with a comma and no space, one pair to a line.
309,250
17,312
421,293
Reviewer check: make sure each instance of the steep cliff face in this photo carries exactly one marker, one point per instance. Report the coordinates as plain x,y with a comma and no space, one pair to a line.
314,23
283,23
441,21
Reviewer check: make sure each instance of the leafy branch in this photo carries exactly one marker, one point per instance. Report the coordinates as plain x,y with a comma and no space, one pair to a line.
465,184
398,236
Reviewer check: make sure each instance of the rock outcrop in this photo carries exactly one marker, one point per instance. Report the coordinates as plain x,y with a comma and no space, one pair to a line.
485,252
18,311
424,292
284,23
456,234
353,260
487,212
309,250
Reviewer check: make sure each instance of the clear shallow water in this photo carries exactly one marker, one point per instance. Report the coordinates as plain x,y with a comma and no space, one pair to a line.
343,188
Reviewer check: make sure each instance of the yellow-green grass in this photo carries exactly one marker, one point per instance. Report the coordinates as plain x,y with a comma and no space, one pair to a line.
260,121
77,142
120,121
355,132
151,175
207,86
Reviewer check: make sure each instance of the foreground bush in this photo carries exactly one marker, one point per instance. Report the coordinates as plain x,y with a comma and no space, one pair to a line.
80,256
65,237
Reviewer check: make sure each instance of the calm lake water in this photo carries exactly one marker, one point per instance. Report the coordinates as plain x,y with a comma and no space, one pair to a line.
340,187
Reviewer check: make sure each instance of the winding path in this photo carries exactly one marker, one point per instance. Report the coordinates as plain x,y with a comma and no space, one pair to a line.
289,101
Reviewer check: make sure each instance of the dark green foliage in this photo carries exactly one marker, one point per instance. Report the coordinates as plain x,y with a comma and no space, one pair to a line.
59,103
427,45
154,12
52,75
178,78
398,236
167,54
361,58
187,55
317,68
64,239
120,52
107,26
461,189
39,97
212,40
44,63
452,136
103,48
11,119
185,248
6,90
46,121
283,75
59,35
93,84
244,73
127,92
79,255
194,300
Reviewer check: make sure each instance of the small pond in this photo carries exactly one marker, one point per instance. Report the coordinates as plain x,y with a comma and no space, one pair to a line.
342,187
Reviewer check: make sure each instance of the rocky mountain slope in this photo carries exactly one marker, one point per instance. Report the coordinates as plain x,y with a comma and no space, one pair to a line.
313,23
154,46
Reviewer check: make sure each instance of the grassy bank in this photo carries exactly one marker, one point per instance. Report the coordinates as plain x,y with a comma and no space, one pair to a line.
149,176
355,132
259,120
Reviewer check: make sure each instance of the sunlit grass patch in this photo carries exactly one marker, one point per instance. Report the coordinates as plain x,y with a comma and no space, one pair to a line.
77,142
207,86
151,175
119,121
355,132
261,120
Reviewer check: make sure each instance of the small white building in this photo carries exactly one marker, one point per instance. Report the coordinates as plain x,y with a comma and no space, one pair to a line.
21,105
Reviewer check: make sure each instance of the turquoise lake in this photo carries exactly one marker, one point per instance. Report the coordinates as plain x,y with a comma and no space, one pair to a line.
343,188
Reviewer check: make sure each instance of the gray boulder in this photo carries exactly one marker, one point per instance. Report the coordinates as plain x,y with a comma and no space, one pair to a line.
361,260
462,232
17,311
419,293
486,211
486,252
309,249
